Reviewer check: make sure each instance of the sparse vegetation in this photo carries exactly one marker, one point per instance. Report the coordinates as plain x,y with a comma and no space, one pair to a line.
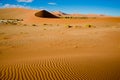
77,26
50,24
57,24
34,25
90,26
10,21
2,33
44,29
6,38
69,26
14,23
83,17
69,17
75,46
23,32
45,24
24,24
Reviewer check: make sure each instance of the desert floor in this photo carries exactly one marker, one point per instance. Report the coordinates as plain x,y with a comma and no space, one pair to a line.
54,51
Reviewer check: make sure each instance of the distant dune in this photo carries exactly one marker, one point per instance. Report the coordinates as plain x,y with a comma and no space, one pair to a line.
59,13
45,14
7,13
26,13
62,14
29,16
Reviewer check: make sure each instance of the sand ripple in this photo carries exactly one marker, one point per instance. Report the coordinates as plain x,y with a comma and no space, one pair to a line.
59,69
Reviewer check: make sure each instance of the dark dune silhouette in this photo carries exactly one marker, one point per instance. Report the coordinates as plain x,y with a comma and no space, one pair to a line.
45,14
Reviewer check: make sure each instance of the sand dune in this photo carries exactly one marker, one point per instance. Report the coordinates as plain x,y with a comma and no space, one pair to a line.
29,17
59,13
45,14
16,13
51,50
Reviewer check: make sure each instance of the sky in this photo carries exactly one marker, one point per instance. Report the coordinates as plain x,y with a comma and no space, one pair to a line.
107,7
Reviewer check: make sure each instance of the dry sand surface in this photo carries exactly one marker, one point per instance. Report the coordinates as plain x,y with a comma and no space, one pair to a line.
51,50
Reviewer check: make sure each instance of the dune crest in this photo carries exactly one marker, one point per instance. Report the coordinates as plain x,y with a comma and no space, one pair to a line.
45,14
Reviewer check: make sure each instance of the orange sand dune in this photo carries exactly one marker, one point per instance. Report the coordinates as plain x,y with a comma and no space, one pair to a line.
51,50
29,17
13,13
59,13
45,14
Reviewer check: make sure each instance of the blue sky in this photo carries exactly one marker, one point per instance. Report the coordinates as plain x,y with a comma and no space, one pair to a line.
108,7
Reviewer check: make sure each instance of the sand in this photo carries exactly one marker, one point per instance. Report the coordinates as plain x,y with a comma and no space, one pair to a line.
50,50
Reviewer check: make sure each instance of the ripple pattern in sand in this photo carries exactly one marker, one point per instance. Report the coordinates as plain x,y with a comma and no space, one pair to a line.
56,69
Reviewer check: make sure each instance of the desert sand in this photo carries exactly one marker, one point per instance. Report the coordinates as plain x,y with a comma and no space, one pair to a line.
58,49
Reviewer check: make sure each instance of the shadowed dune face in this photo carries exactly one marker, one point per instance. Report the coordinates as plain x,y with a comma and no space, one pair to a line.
45,14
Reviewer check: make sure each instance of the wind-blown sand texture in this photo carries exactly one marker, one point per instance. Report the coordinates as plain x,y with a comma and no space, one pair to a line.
50,50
